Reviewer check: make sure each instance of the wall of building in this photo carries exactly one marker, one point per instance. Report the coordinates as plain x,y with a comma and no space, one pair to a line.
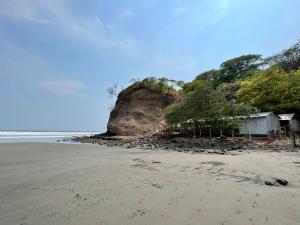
254,126
260,125
273,122
295,125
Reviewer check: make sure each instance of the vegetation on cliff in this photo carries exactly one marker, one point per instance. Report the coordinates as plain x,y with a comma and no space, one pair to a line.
139,109
161,85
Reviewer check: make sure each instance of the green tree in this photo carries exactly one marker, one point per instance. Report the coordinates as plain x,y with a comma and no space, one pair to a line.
180,83
239,68
162,82
272,90
288,59
205,107
229,90
232,70
176,114
192,86
209,75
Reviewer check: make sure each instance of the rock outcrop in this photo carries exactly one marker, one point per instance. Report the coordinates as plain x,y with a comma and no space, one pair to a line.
139,112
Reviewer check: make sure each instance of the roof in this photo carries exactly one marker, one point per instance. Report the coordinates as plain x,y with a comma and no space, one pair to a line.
256,115
261,114
286,116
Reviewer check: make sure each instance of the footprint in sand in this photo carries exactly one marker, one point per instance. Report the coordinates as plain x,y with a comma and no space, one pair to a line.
238,211
214,163
143,164
157,186
139,212
152,184
255,205
266,219
174,200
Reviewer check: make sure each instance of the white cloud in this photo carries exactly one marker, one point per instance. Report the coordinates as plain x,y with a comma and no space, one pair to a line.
60,14
67,87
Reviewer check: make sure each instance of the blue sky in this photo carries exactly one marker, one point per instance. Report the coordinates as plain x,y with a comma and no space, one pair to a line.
58,57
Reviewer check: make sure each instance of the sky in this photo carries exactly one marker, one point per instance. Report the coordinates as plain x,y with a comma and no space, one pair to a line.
58,57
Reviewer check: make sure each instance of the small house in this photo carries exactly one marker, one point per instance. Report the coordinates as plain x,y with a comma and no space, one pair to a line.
288,121
262,123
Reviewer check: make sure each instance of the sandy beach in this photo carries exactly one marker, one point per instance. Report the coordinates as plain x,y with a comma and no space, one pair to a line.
78,184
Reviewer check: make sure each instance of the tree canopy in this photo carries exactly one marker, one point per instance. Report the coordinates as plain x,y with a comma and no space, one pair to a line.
239,67
233,69
288,59
272,90
206,107
211,75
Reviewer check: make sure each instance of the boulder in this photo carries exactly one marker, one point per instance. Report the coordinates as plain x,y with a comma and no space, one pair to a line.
139,112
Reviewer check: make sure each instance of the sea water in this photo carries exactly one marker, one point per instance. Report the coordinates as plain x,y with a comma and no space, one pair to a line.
39,136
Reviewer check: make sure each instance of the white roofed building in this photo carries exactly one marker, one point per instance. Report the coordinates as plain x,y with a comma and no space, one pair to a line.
260,124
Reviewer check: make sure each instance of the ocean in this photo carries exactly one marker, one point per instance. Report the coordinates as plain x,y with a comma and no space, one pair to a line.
39,136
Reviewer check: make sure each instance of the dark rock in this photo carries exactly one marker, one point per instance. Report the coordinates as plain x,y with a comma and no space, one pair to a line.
270,183
77,195
282,182
277,182
180,143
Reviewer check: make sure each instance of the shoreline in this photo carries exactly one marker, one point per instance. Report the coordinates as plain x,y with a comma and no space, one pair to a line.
38,136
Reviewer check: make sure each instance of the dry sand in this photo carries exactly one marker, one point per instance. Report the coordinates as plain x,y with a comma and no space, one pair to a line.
82,184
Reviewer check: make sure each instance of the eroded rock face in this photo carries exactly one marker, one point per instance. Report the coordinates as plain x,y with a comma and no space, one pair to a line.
139,112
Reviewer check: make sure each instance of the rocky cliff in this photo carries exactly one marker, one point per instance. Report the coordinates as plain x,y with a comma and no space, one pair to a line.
139,112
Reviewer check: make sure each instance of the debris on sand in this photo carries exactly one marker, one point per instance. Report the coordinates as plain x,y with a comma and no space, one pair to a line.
277,182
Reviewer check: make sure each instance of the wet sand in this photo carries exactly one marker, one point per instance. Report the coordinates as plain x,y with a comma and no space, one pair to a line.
78,184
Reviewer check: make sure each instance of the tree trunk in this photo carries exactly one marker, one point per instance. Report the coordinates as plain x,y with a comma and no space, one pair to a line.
293,137
249,135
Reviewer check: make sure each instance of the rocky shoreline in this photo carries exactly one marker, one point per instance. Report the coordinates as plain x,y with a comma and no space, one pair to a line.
218,145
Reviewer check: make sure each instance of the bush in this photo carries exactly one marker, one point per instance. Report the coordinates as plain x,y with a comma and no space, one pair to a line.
162,85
